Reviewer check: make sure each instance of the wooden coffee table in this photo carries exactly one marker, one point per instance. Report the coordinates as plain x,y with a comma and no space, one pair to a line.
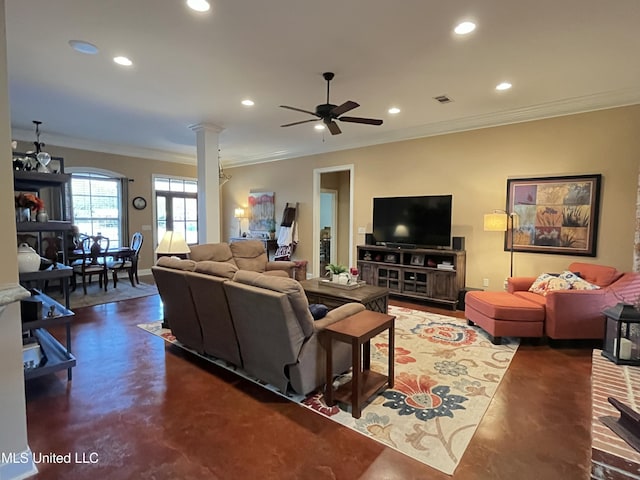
357,330
373,298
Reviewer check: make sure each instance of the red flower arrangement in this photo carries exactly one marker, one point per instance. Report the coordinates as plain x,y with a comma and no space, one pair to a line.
29,200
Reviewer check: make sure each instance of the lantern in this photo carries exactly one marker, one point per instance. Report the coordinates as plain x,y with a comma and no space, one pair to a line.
622,334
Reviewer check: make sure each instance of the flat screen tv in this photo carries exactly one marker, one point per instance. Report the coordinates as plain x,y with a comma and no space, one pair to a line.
423,221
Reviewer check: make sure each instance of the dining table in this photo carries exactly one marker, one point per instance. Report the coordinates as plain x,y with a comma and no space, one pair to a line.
117,253
120,253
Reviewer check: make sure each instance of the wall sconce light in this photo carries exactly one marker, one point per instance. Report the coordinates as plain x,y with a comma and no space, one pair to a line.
174,244
501,221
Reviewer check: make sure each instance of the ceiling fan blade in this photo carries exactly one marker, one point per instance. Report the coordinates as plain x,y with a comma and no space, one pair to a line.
368,121
334,128
344,108
298,123
300,110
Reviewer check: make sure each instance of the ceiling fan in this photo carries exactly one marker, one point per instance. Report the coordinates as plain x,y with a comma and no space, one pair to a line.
329,113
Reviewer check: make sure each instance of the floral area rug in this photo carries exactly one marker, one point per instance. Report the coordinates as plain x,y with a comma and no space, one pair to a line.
445,376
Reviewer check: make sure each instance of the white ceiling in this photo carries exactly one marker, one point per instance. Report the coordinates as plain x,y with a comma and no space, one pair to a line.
562,56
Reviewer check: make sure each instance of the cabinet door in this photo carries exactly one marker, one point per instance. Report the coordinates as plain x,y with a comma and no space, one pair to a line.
414,282
389,278
367,273
442,285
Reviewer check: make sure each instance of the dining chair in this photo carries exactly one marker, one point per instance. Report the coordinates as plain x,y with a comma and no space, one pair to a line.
95,250
128,263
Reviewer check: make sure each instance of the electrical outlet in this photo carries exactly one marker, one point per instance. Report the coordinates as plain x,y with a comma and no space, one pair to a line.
362,230
485,282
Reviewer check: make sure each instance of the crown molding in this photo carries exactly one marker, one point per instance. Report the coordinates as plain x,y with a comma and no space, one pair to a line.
566,106
103,147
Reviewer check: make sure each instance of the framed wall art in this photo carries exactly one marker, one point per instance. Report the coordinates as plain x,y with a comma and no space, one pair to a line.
262,212
554,214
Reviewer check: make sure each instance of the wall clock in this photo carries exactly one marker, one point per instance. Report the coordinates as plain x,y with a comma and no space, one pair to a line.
139,203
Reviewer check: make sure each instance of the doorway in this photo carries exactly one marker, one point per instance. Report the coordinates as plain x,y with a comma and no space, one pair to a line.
337,182
328,227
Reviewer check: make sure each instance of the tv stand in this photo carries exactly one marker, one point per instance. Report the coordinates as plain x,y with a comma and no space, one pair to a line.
431,274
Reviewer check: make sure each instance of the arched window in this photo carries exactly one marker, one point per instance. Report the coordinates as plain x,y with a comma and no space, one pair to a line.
98,208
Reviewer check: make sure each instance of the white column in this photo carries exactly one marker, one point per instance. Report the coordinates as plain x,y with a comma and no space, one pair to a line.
208,182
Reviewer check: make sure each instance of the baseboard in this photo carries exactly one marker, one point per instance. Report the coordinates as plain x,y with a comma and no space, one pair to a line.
18,465
146,271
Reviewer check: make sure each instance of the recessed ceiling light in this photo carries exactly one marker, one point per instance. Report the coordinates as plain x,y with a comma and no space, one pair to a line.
394,110
319,126
83,47
503,86
464,28
199,5
124,61
248,103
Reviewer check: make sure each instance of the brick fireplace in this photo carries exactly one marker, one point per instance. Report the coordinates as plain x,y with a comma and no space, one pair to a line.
611,457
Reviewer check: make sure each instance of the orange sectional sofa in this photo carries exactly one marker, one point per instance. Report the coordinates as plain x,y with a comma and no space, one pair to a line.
558,314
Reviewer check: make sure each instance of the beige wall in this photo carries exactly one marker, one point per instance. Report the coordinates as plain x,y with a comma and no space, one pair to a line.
140,170
474,167
13,420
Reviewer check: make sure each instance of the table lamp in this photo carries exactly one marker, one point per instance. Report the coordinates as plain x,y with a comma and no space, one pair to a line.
173,244
239,213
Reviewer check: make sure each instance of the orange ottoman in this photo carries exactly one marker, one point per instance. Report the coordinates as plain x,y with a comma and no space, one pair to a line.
502,314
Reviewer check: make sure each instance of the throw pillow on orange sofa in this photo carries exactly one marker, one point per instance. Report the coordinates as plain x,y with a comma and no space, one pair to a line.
576,282
547,282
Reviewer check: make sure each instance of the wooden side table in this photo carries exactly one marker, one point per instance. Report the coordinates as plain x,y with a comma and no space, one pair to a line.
358,330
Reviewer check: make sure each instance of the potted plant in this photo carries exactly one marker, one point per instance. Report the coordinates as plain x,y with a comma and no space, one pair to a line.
334,270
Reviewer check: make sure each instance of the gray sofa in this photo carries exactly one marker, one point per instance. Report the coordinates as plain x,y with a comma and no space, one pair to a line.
256,321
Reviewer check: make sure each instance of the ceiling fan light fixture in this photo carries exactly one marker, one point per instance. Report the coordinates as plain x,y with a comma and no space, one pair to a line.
248,102
503,86
329,112
199,5
464,28
394,110
319,126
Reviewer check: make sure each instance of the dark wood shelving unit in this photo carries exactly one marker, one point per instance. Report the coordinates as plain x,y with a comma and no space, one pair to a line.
58,357
413,272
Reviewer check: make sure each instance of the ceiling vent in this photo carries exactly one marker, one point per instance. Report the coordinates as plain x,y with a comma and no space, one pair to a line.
443,99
